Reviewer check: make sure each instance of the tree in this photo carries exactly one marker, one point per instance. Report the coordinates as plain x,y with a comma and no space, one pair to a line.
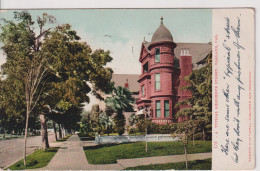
52,63
120,101
183,131
12,113
85,127
200,110
106,122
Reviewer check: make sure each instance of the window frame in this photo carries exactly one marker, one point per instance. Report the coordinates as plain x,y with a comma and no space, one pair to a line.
167,109
144,66
157,57
156,109
157,81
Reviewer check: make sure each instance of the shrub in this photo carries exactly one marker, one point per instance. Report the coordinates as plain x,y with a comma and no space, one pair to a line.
132,131
119,121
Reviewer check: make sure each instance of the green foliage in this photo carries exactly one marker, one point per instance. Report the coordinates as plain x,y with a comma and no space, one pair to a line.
38,159
200,112
65,66
119,121
109,153
153,128
106,122
132,119
193,165
120,101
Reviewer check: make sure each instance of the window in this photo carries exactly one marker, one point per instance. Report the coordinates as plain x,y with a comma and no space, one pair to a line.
145,67
166,109
158,109
142,90
157,82
157,55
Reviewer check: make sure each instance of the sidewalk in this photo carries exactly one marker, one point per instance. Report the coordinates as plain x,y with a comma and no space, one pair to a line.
71,156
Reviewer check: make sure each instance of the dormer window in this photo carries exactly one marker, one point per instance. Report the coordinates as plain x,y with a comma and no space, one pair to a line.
157,55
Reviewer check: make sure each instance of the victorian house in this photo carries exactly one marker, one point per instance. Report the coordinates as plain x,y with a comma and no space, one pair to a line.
165,63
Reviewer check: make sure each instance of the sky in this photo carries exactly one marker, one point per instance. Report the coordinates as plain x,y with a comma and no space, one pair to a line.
122,31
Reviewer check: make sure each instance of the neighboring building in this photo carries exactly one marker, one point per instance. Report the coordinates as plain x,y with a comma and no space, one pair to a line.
164,66
128,81
124,80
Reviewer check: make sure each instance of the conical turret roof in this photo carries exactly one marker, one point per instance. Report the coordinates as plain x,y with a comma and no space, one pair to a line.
162,34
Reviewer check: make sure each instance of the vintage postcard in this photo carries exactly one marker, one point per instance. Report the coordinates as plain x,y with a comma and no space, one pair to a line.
127,89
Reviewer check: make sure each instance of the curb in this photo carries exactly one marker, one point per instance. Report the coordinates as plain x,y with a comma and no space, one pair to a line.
18,160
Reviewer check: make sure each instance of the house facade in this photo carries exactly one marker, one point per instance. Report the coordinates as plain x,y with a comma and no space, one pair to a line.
165,63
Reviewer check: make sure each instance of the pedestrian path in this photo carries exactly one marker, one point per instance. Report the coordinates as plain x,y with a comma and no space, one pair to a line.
71,156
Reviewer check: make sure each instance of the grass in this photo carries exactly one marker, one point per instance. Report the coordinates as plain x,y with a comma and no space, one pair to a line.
8,136
138,133
64,139
109,134
38,159
109,153
192,165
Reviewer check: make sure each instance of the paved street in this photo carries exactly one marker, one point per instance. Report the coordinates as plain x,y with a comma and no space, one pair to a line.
12,150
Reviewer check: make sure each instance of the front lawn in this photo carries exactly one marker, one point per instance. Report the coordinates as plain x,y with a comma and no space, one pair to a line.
192,165
63,139
109,153
38,159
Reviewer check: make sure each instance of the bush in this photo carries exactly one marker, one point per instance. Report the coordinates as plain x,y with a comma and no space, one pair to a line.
132,131
153,128
119,121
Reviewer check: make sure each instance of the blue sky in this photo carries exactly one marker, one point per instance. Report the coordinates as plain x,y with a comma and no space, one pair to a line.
122,30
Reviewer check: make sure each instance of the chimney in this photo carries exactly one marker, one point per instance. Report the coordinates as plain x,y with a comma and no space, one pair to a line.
126,84
185,67
185,62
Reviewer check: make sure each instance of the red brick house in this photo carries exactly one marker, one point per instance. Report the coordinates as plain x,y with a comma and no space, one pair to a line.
164,65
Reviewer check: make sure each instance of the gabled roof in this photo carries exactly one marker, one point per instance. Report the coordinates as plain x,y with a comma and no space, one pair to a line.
198,51
121,79
146,44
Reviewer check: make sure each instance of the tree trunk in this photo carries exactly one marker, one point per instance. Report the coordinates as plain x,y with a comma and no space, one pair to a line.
4,133
55,130
25,134
185,150
60,132
44,132
203,134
